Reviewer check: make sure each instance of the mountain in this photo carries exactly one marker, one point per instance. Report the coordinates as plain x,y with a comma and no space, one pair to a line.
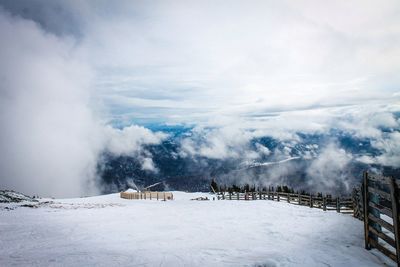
315,162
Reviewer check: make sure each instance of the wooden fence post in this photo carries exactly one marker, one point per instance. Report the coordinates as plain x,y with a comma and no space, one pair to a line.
324,203
299,199
277,196
238,195
230,196
311,201
366,221
288,197
338,204
395,209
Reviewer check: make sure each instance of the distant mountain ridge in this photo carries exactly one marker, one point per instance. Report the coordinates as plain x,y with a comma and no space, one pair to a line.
288,163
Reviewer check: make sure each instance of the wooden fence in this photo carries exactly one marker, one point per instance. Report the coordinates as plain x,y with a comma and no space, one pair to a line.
147,195
358,202
381,215
340,204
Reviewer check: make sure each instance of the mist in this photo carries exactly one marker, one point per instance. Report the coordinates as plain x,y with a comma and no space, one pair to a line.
51,137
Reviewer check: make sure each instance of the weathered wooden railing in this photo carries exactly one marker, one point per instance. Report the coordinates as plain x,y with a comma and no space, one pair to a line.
340,204
381,215
358,202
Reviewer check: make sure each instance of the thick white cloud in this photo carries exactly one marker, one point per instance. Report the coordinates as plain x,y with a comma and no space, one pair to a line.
327,171
49,139
390,146
130,140
50,136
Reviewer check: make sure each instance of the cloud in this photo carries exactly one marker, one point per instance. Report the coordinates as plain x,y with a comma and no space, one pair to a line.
327,173
49,138
130,140
176,61
390,147
237,71
51,135
219,143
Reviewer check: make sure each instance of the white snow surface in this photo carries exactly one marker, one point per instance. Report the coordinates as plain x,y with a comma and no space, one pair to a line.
110,231
130,190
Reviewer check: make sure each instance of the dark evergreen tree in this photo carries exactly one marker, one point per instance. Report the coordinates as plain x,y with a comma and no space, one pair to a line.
246,188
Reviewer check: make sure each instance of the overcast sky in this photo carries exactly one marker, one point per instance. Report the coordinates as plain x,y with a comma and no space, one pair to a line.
189,61
72,71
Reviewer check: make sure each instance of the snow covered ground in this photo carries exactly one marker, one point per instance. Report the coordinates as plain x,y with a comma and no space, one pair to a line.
110,231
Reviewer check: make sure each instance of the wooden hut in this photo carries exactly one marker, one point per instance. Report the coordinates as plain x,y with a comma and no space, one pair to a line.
147,195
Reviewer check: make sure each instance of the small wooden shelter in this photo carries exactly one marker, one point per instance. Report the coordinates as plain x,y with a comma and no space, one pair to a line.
147,195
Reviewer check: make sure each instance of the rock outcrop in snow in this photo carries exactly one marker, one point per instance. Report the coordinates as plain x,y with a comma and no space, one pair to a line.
9,196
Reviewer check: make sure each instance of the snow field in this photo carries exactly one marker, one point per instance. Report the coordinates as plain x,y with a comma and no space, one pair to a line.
110,231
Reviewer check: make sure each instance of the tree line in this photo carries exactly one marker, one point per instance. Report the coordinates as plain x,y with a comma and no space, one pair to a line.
246,188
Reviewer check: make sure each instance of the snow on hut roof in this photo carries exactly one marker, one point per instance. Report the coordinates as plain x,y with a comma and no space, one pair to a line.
130,190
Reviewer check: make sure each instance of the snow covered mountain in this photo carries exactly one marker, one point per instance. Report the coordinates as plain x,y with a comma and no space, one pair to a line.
331,162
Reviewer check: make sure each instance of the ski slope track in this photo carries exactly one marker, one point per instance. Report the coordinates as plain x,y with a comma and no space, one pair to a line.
110,231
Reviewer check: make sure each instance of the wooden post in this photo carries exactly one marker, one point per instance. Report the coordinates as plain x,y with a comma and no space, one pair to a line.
298,196
324,203
230,196
366,221
395,210
157,195
238,195
164,196
288,197
311,201
278,196
338,204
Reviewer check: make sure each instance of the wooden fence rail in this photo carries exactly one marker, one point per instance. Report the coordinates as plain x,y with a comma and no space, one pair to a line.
340,204
381,215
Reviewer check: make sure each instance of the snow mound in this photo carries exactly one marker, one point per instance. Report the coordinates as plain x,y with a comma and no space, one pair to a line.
9,196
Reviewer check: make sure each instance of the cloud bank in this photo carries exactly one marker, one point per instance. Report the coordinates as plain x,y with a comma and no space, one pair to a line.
72,71
51,137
